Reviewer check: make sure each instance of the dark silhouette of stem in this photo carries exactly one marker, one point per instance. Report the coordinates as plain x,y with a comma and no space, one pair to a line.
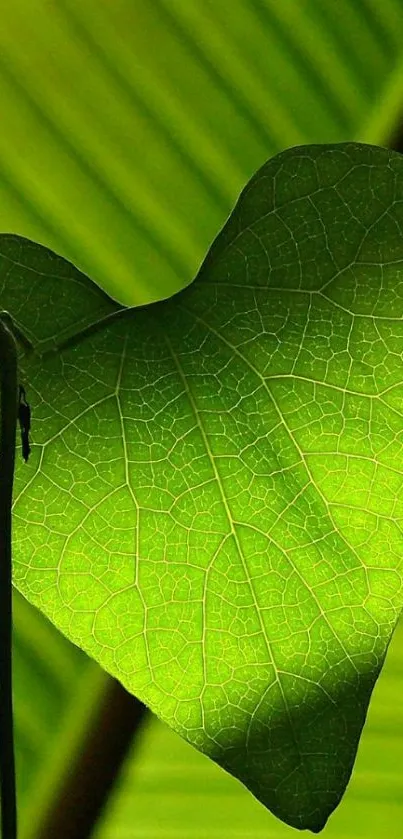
396,138
90,778
9,399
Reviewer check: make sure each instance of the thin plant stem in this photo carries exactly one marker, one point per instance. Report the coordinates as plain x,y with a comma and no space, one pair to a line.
9,407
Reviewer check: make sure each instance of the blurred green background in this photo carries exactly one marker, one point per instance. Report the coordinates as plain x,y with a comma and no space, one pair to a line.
128,129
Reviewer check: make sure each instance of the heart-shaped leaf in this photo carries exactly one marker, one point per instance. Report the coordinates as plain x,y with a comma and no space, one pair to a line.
213,508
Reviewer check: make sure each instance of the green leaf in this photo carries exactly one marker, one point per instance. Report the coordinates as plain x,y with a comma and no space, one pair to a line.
212,505
189,795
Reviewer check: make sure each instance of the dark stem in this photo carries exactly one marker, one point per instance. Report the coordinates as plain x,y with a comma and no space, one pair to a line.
9,399
89,780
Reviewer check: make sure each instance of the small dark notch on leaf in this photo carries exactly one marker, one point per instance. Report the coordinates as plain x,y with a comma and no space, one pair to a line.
24,416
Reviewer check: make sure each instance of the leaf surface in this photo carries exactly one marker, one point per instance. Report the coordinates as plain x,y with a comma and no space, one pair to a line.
190,784
212,507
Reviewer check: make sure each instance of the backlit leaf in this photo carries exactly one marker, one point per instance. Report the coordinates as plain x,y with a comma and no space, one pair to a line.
213,501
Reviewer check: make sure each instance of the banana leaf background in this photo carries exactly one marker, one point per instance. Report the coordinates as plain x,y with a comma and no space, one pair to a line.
128,129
